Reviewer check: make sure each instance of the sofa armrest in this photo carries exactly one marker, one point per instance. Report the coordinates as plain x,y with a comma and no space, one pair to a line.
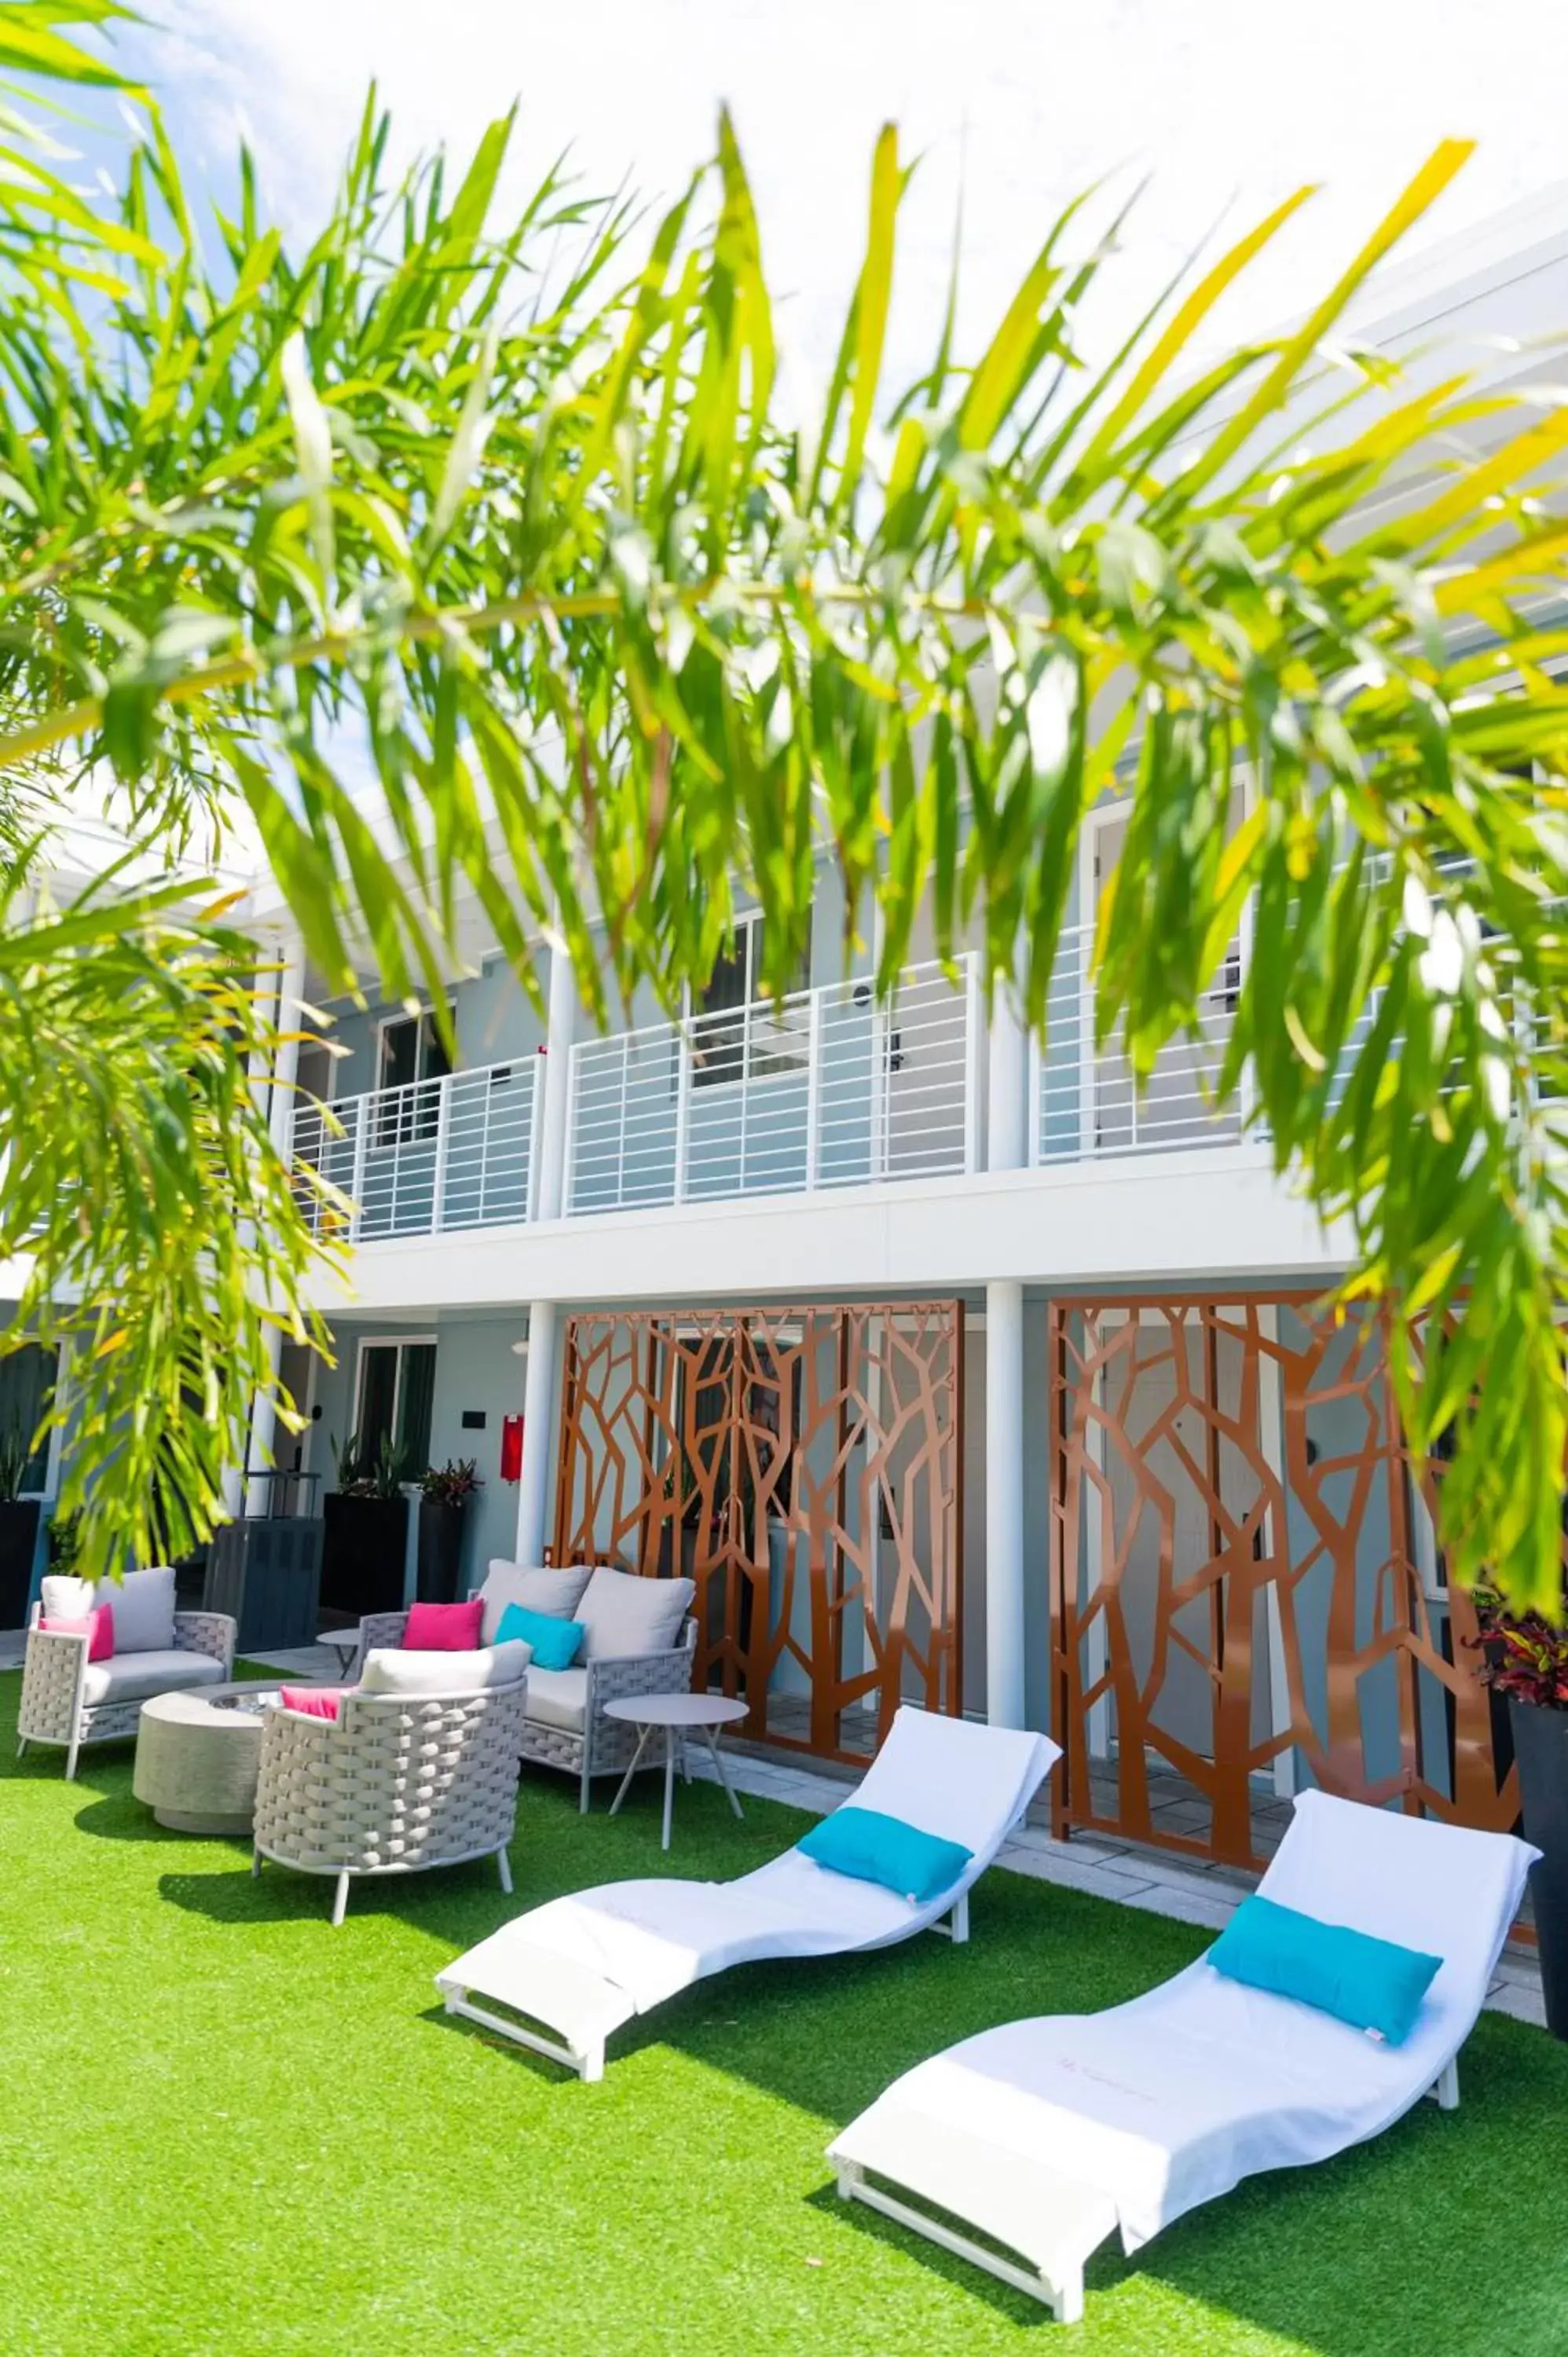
613,1678
377,1629
212,1633
51,1685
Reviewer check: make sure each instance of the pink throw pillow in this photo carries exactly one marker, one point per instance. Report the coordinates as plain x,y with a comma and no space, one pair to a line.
443,1627
313,1702
97,1627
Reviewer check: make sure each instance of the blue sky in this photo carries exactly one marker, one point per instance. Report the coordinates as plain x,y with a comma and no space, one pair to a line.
1026,101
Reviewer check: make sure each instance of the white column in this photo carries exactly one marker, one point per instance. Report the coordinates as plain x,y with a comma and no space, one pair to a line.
1007,1084
538,1432
1004,1503
548,1195
280,1102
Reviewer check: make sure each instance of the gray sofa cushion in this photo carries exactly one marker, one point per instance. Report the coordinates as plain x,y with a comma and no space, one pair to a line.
132,1677
537,1588
558,1698
142,1603
625,1615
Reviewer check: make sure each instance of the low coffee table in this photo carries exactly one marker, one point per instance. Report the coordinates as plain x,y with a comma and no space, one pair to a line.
197,1756
679,1715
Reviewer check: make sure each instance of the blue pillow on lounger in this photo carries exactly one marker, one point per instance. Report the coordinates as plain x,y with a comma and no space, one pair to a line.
554,1642
1373,1985
874,1848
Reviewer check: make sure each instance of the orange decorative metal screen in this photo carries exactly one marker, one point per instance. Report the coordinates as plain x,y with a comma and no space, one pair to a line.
804,1467
1244,1579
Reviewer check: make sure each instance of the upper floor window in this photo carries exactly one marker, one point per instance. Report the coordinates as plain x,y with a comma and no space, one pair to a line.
736,1030
414,1061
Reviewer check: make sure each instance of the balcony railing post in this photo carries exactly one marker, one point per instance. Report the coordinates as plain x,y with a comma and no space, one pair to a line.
444,1088
535,1138
569,1158
972,1064
814,1087
620,1141
682,1109
356,1174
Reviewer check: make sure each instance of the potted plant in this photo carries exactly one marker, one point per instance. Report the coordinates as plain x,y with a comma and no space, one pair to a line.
18,1529
365,1531
1525,1657
445,1491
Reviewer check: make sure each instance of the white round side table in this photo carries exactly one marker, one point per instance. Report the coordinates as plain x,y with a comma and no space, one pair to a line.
679,1715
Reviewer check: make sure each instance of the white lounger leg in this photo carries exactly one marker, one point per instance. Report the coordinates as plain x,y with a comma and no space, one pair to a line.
1445,2090
1064,2296
954,1925
588,2062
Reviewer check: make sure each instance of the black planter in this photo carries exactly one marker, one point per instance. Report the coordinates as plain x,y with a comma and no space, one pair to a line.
18,1542
364,1544
1540,1746
440,1551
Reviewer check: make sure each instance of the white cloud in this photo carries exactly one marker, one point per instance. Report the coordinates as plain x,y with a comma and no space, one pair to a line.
1222,101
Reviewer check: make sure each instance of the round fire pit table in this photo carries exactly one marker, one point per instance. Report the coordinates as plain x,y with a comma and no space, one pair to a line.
197,1756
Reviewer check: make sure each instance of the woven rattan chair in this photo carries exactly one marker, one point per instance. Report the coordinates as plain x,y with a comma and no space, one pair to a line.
598,1746
59,1705
394,1784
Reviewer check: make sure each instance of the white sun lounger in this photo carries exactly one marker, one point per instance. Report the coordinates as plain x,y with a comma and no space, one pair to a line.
1047,2135
582,1966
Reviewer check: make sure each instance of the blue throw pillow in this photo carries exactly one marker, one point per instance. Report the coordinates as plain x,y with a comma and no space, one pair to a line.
554,1642
1373,1985
874,1848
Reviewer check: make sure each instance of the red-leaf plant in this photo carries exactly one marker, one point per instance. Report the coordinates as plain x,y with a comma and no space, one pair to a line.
1524,1654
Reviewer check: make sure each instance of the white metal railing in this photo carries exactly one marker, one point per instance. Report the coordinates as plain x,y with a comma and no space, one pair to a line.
458,1152
825,1089
1086,1104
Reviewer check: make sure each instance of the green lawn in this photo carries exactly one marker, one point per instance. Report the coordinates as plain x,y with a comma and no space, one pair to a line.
229,2129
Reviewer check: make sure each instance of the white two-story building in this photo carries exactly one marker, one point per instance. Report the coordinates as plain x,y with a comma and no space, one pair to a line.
947,1367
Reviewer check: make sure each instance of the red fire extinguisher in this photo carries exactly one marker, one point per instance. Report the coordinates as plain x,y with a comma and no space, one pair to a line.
511,1447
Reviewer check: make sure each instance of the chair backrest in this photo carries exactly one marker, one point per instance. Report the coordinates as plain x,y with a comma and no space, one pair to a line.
968,1783
1447,1890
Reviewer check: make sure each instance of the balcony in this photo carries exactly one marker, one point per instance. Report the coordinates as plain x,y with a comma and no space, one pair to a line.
459,1152
823,1092
825,1089
1085,1106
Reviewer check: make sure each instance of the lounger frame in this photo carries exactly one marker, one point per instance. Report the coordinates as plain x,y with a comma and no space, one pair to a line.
1058,2286
588,2059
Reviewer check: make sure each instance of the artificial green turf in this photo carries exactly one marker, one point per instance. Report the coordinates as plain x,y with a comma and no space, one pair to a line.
227,2127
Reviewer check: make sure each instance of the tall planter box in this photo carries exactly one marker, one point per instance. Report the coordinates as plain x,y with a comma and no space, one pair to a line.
440,1552
266,1575
1540,1746
364,1548
19,1544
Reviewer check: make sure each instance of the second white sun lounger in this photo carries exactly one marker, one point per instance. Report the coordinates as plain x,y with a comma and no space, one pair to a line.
579,1968
1048,2136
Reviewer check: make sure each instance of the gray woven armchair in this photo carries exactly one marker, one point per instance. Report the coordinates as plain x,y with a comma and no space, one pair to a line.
566,1727
396,1783
67,1701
